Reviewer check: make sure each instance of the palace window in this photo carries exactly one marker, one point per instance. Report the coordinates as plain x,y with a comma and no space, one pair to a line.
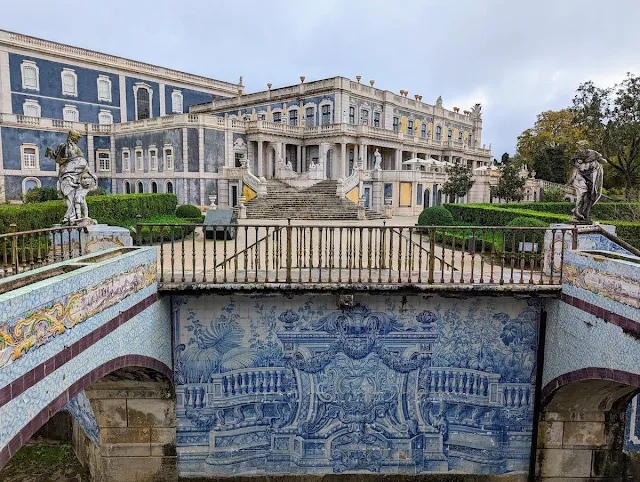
449,134
352,115
30,183
177,103
126,160
460,136
438,133
154,187
31,108
326,114
104,161
143,97
169,187
396,124
140,187
277,117
423,130
364,117
262,116
469,140
70,113
376,119
104,88
139,161
309,114
153,159
293,117
29,156
238,157
69,82
127,187
168,158
30,75
105,117
410,127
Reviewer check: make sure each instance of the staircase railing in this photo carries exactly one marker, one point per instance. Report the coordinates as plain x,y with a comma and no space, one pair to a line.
350,182
596,229
255,183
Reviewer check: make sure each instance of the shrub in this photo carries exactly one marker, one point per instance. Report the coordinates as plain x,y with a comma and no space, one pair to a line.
153,234
435,216
553,194
41,194
514,237
97,192
188,211
498,215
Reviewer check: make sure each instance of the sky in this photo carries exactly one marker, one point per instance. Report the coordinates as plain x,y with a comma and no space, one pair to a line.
516,57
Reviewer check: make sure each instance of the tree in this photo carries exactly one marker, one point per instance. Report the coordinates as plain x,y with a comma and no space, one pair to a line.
459,180
547,147
505,158
510,184
611,118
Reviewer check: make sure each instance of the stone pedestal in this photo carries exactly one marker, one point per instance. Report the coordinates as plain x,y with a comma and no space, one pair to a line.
103,236
362,214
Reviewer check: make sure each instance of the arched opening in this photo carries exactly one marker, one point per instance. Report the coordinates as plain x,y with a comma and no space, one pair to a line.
140,187
426,202
271,162
581,427
127,187
169,187
143,104
154,187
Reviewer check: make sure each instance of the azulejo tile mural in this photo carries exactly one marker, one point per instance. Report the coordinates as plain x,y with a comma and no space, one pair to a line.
270,384
37,327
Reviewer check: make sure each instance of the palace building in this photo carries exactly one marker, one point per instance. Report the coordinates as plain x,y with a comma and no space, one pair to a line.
152,129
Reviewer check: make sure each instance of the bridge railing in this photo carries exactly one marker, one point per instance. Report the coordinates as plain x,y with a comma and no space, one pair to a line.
350,254
27,250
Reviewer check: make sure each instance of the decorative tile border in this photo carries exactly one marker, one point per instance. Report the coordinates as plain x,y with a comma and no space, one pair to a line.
39,327
26,381
627,324
61,400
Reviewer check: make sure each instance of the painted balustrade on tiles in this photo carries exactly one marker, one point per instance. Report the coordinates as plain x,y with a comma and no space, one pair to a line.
515,395
249,382
458,381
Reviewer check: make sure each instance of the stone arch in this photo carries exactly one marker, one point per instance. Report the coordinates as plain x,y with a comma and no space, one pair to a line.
582,423
271,161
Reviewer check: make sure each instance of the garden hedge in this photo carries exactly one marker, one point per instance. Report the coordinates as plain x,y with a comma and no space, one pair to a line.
617,211
435,216
113,209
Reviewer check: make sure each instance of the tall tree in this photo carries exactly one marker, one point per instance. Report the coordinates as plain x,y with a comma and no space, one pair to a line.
505,158
510,185
459,180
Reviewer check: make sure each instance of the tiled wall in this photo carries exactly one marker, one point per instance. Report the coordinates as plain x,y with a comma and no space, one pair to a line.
273,384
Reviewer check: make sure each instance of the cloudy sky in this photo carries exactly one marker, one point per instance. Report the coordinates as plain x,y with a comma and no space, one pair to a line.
516,57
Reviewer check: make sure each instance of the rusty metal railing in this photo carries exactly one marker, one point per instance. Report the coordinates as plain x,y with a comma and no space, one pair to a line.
27,250
362,254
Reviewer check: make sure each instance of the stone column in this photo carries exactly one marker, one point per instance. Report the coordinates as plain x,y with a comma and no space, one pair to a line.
91,155
260,158
163,109
342,173
398,161
363,155
200,163
298,157
303,160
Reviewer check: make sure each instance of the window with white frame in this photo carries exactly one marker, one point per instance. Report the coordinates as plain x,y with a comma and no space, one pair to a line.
104,88
104,161
326,114
423,130
293,117
449,134
310,116
352,115
70,113
126,160
438,133
277,116
29,154
127,187
30,75
140,187
30,183
169,187
31,108
139,161
105,117
469,140
143,95
262,116
168,158
153,159
177,104
396,124
376,119
410,127
364,117
459,136
69,82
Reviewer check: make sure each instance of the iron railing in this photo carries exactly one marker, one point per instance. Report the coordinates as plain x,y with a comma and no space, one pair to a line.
316,254
27,250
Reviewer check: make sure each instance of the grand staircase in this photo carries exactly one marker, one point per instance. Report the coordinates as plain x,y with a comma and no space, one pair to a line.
316,202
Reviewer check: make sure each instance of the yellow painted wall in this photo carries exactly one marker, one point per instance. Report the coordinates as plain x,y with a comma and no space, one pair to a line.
417,129
353,195
248,193
403,124
430,130
455,134
465,136
405,194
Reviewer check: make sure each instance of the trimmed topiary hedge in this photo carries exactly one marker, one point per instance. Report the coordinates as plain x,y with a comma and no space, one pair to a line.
188,211
105,209
435,216
619,211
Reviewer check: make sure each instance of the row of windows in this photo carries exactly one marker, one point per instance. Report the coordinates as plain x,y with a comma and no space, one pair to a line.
129,187
152,156
70,113
309,115
142,92
364,117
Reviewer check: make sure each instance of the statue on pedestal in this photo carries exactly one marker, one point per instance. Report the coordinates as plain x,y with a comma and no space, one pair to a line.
75,179
586,179
377,164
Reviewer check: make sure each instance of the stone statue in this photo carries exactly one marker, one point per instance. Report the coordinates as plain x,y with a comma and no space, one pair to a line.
586,178
288,166
439,101
476,110
75,179
377,164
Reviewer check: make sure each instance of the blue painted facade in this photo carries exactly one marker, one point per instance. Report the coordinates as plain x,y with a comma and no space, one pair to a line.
273,385
316,101
189,97
131,100
144,140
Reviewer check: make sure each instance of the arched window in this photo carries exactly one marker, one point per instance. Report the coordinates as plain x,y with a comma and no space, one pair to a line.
169,187
154,186
127,187
69,82
140,187
104,88
177,102
30,75
143,95
30,183
449,134
438,133
31,108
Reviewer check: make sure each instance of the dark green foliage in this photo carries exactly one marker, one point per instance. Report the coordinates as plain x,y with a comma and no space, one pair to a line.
188,211
435,216
510,185
603,211
97,192
460,180
40,194
513,237
552,164
552,195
